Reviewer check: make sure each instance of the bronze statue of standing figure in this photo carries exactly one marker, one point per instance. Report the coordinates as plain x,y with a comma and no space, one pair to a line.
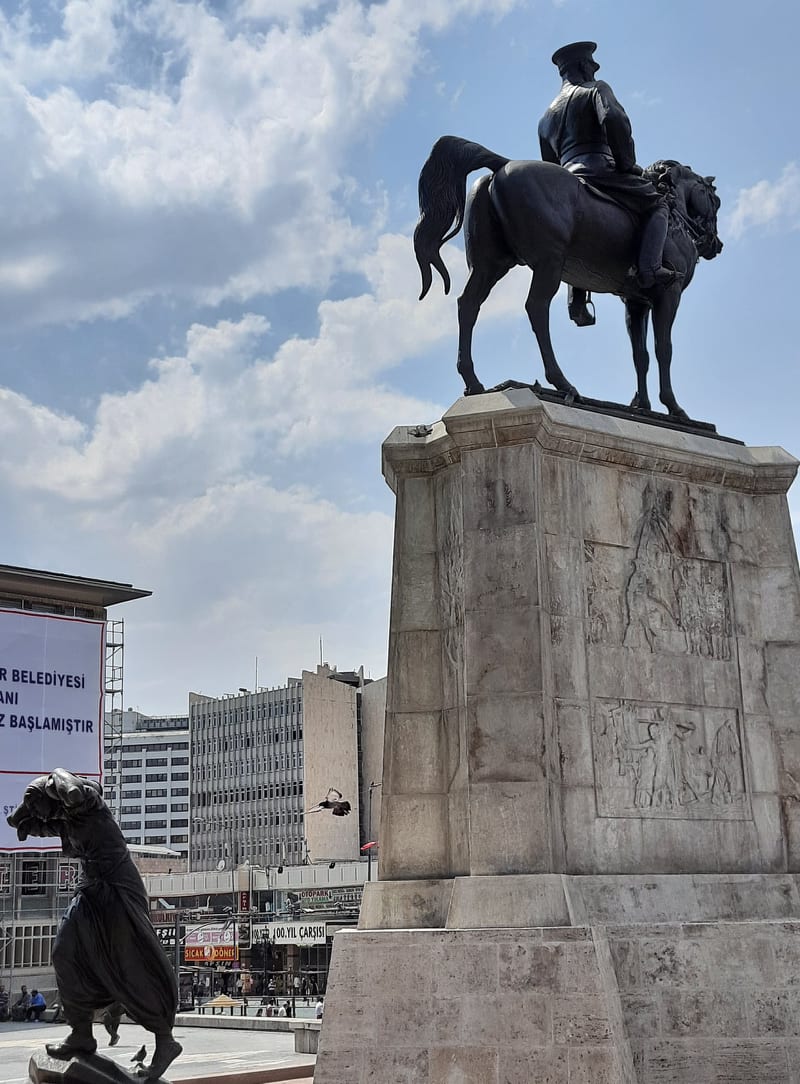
106,952
587,215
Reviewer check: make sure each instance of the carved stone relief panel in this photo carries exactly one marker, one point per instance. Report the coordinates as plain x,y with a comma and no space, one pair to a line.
668,760
651,595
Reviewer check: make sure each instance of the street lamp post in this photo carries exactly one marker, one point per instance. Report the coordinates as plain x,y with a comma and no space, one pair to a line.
372,787
177,957
265,981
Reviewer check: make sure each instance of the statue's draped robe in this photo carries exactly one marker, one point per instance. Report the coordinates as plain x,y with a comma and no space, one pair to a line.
106,949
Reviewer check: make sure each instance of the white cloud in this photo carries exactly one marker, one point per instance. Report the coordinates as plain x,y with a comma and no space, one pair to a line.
84,47
227,403
769,204
204,415
26,273
187,481
221,174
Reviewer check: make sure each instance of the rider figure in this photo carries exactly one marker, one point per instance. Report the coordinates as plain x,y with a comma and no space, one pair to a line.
587,131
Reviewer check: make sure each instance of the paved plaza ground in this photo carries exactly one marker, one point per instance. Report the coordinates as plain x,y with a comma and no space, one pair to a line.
205,1050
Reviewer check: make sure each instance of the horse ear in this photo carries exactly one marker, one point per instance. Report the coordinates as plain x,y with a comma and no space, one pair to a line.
709,180
669,173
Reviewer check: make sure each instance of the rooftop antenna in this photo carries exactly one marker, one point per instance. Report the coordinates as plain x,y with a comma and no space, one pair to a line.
320,652
256,684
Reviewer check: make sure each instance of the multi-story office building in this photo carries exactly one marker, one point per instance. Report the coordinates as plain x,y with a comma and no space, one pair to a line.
260,759
150,794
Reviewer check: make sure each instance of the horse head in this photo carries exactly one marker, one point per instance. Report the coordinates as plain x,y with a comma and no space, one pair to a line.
693,201
702,205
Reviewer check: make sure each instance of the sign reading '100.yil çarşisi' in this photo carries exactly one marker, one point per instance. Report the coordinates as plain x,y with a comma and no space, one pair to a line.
51,705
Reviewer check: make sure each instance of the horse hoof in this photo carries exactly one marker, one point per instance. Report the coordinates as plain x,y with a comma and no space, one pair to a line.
571,396
475,389
640,404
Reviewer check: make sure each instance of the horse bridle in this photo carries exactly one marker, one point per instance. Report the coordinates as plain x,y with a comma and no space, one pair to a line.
702,236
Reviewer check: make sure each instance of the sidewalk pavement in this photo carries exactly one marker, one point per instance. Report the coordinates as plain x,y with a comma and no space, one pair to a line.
207,1052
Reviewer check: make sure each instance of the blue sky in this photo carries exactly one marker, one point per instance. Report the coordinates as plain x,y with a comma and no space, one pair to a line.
208,315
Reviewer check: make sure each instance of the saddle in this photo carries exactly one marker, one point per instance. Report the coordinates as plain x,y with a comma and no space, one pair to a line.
598,193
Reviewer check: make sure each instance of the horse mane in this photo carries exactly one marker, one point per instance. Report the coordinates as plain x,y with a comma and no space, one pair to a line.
663,174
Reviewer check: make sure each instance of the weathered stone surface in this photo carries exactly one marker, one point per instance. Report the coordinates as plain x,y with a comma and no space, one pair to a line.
506,738
558,570
493,1002
590,830
508,901
397,905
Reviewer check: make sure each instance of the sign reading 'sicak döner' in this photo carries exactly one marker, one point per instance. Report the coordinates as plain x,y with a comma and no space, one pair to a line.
51,705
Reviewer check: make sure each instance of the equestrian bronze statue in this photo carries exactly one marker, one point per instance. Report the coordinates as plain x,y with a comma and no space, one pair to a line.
587,215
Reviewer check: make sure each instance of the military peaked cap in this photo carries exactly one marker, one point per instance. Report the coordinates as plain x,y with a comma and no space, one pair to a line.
578,50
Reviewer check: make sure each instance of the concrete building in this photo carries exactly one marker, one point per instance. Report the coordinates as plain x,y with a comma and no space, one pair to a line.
148,787
260,759
284,928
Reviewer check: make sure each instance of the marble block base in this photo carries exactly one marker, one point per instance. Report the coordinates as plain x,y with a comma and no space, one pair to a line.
628,1003
594,649
590,814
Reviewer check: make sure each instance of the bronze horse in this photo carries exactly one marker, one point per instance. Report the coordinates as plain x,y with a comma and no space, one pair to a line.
541,215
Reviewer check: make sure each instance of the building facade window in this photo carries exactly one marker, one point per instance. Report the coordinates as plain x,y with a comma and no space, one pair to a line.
34,877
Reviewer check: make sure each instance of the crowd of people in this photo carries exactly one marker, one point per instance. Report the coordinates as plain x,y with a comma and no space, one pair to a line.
269,1007
28,1006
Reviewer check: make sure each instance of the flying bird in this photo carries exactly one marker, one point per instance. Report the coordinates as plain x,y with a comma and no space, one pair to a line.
140,1055
332,801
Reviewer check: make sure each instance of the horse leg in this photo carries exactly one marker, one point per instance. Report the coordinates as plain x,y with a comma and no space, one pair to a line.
664,311
546,281
636,318
478,287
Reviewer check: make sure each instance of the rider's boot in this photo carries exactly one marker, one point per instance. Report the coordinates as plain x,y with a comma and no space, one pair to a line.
656,276
578,309
651,251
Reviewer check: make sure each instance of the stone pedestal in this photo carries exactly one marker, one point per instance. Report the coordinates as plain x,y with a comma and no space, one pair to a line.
591,784
83,1069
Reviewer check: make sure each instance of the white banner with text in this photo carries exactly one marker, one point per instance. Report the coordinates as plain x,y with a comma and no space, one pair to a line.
51,706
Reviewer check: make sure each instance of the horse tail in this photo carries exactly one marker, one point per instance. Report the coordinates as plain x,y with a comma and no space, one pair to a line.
442,199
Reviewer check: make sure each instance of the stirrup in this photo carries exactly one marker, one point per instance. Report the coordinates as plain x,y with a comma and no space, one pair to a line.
580,314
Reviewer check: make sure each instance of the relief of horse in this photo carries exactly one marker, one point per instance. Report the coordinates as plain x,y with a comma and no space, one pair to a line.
540,215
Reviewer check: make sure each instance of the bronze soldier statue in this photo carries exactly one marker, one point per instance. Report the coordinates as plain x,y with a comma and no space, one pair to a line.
587,131
106,953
